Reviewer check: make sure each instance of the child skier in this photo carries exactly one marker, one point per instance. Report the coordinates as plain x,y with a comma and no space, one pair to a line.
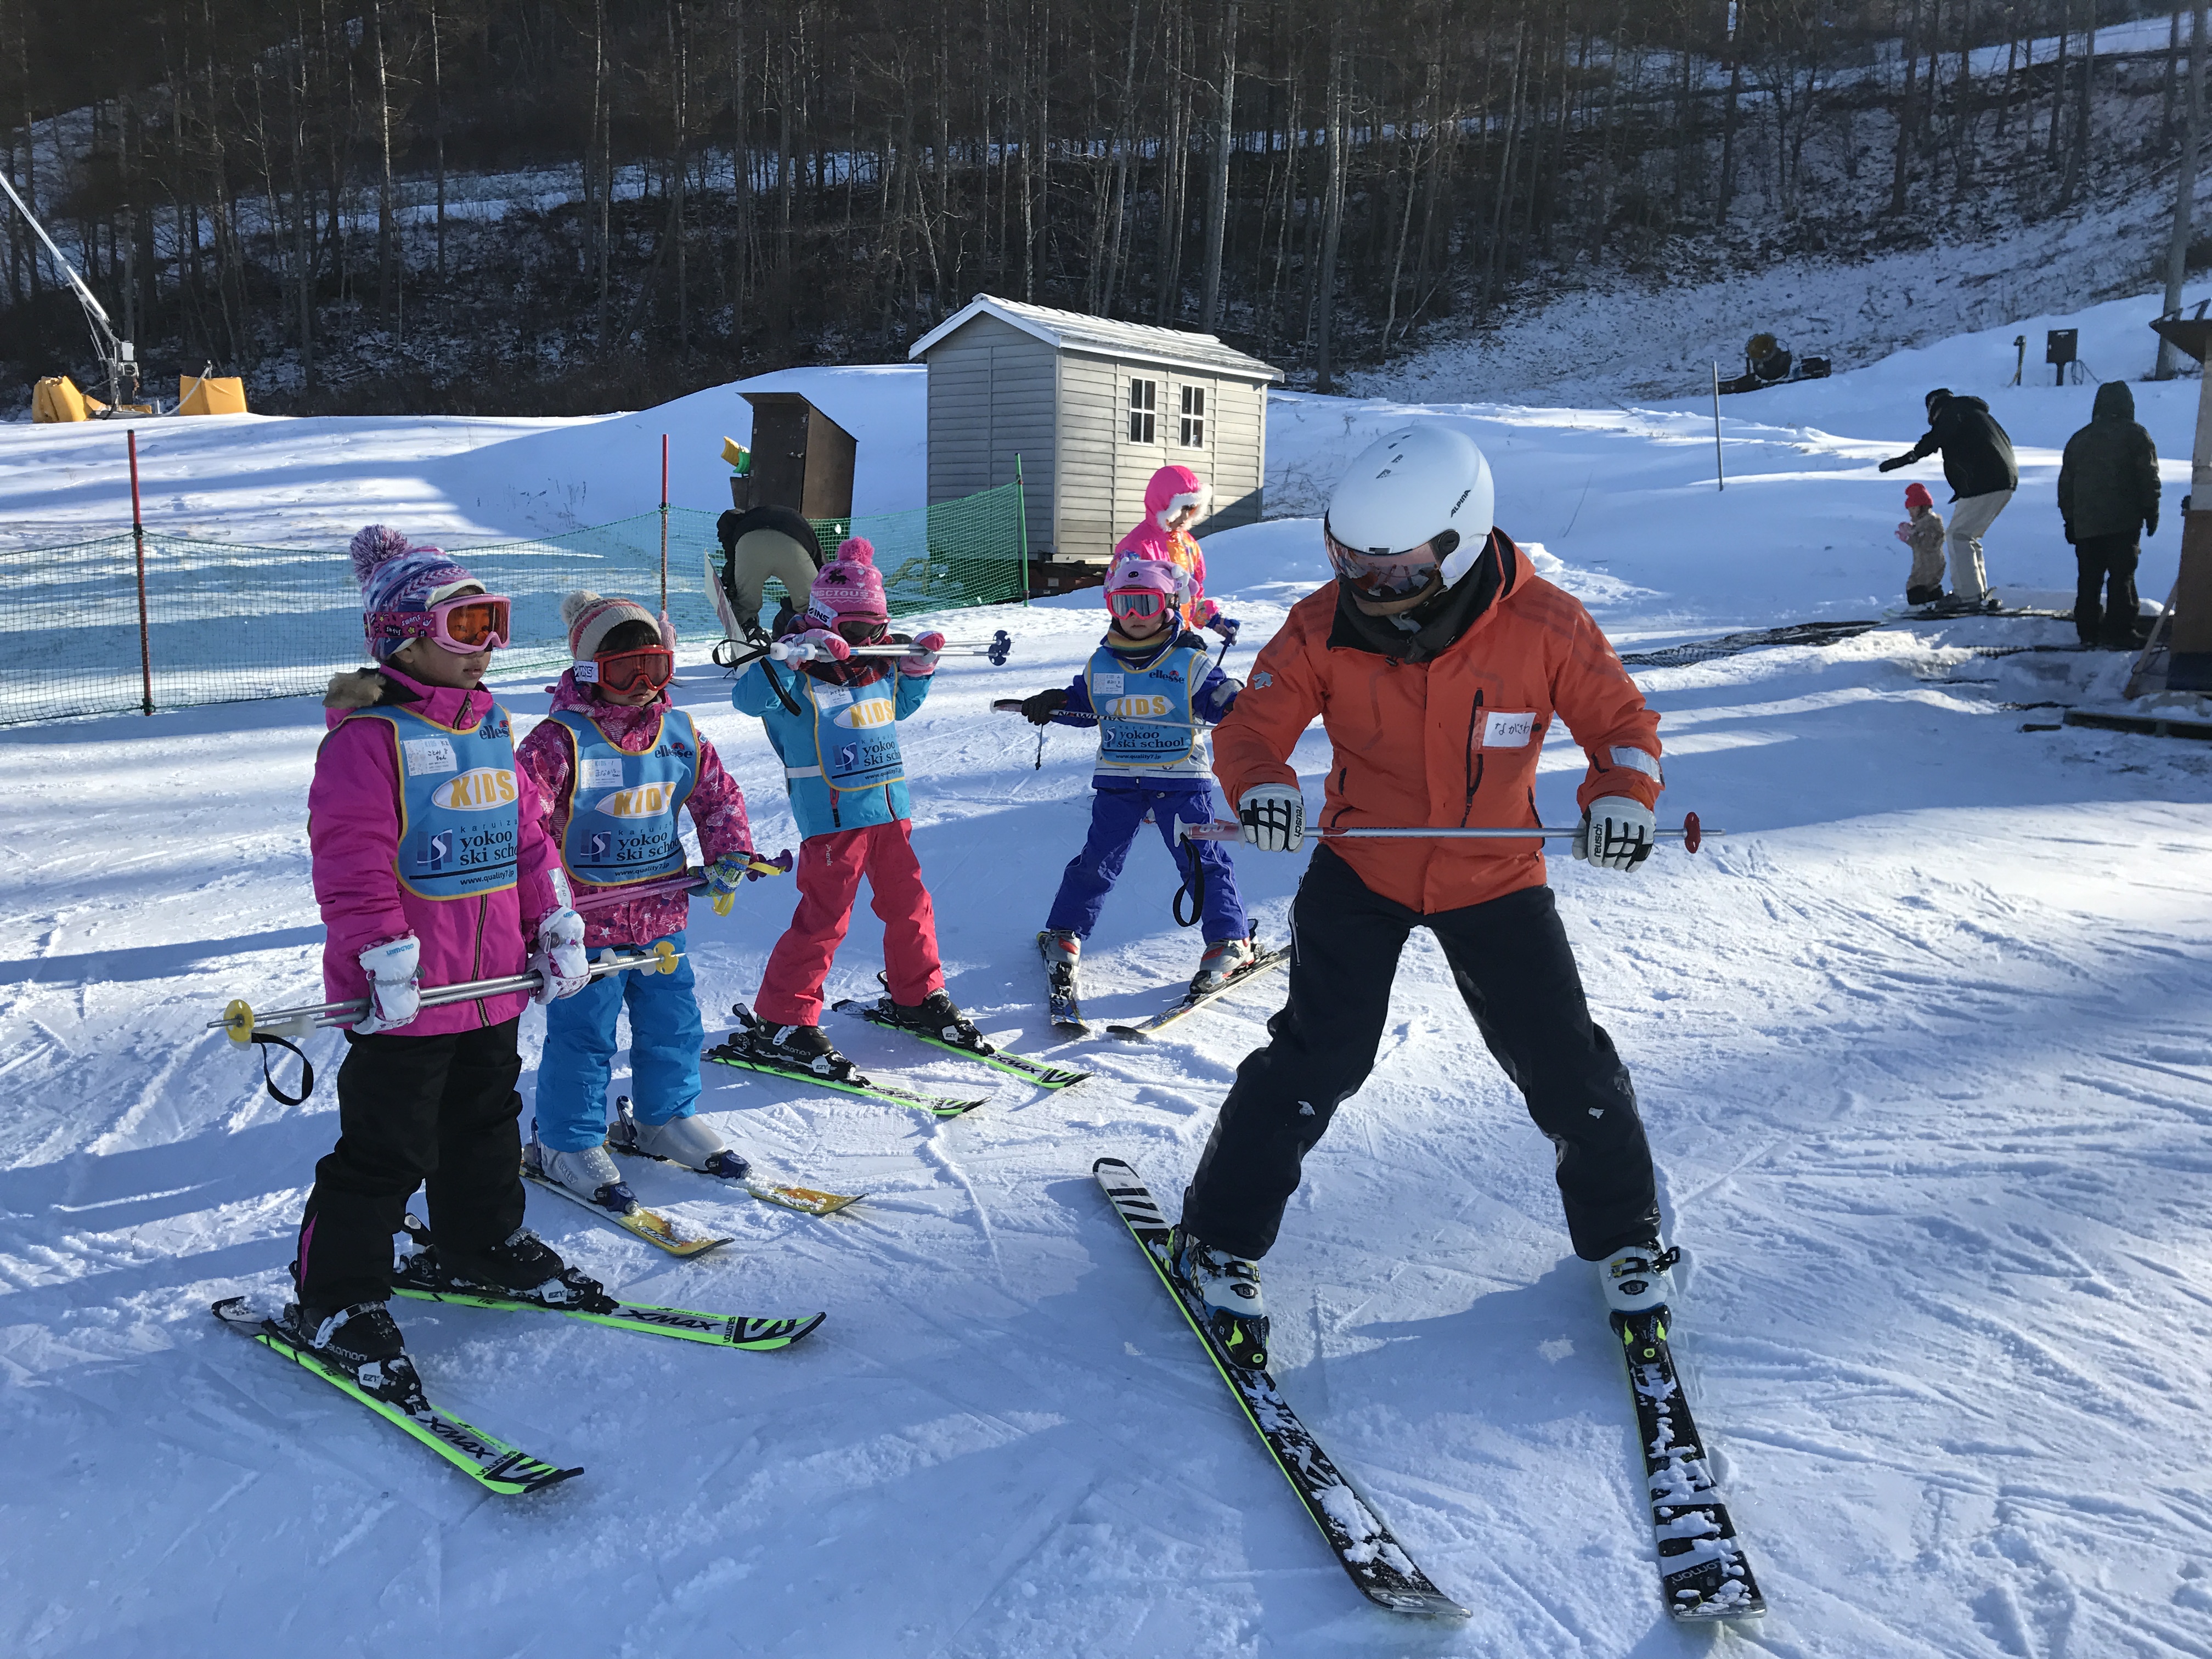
430,867
613,764
1176,499
1151,693
1923,533
835,724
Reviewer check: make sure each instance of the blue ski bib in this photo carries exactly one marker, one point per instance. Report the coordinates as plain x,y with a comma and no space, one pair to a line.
1145,717
459,823
856,733
621,807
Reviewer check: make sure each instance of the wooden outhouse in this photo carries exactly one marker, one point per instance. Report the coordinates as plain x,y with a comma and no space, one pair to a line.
801,459
1093,408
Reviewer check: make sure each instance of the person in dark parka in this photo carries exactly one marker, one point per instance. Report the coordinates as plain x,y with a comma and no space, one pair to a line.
2107,492
1979,466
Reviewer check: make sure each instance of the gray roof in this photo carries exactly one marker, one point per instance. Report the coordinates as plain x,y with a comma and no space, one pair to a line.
1072,331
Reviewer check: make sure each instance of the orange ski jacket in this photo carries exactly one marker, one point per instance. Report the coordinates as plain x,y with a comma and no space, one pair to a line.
1447,743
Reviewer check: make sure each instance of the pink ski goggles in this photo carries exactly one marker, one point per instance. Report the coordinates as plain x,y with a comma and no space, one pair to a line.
1137,602
464,625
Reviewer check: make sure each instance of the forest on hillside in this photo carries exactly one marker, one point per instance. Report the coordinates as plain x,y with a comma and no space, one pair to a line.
552,206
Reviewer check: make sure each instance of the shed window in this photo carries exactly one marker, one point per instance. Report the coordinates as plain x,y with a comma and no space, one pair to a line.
1194,417
1144,398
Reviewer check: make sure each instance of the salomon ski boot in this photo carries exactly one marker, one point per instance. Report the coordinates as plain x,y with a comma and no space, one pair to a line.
361,1342
1223,961
1635,1280
795,1048
687,1140
934,1016
522,1268
1229,1286
590,1174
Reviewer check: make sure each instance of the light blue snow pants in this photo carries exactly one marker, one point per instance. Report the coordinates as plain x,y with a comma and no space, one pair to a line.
664,1036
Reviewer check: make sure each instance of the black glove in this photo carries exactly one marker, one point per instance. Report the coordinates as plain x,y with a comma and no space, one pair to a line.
2150,527
1039,709
1893,463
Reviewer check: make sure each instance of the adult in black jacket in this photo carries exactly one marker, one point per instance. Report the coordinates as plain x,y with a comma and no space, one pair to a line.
2107,493
1977,464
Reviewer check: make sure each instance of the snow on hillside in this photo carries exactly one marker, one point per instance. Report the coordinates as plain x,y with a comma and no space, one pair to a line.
1920,1044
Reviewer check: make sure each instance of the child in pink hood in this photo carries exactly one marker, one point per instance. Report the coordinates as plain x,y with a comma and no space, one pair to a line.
611,766
430,868
1175,500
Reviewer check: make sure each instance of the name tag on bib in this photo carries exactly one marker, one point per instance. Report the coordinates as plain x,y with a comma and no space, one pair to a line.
1504,730
429,755
602,775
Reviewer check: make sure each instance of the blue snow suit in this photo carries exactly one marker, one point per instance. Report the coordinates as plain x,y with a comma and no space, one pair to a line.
666,1035
841,766
1151,702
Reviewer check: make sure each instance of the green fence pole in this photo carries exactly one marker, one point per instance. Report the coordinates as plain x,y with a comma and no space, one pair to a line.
138,539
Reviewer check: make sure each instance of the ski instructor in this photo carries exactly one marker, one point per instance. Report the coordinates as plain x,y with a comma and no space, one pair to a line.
1436,660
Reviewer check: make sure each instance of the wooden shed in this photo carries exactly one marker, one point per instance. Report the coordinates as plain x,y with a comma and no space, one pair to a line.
1093,408
801,459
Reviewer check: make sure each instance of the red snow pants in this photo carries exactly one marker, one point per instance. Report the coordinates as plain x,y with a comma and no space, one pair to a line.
830,871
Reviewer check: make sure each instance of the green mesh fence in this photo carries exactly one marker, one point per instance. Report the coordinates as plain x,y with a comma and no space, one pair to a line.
225,622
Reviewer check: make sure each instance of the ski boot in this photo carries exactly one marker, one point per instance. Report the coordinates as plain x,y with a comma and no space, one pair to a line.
684,1141
1063,956
1635,1280
1229,1286
590,1174
935,1016
362,1344
1223,961
521,1267
795,1048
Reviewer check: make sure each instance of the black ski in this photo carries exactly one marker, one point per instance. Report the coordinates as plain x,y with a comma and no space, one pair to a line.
1067,1005
1190,1004
1702,1569
1377,1563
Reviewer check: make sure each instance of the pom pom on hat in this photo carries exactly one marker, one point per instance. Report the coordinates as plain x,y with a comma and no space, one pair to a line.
372,545
398,578
856,549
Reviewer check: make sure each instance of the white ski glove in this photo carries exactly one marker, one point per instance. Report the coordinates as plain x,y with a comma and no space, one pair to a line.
1275,817
559,961
1615,832
395,995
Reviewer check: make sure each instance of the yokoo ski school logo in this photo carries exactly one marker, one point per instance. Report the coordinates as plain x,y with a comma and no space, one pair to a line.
600,842
849,756
440,849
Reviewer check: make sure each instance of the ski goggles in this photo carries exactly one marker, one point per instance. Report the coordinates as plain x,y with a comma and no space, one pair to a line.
860,630
1383,575
1139,602
626,670
465,624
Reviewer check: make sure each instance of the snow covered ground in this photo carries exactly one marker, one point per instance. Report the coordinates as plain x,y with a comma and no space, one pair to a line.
1920,1043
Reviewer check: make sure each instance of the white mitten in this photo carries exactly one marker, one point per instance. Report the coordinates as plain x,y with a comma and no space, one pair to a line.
559,961
1615,832
395,994
1273,816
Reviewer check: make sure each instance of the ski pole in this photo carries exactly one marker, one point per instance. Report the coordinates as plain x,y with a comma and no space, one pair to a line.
693,880
1691,834
243,1025
790,651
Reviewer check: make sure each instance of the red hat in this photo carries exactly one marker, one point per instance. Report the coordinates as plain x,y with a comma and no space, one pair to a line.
1915,495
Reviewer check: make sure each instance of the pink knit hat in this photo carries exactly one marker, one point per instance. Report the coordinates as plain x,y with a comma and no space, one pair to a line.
849,585
590,618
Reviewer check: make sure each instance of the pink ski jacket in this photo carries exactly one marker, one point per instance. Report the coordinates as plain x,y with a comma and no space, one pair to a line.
717,805
1153,539
353,834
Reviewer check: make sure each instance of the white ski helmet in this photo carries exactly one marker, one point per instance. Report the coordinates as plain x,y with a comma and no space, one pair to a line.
1420,483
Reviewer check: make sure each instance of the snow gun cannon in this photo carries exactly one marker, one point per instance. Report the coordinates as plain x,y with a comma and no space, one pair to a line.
996,652
1691,834
1767,361
692,880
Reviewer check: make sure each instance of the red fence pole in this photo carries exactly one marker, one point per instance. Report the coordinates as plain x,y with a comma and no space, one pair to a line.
664,524
139,538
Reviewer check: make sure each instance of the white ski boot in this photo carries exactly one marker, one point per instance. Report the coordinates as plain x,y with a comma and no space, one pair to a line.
590,1174
687,1140
1635,1280
1223,961
1229,1285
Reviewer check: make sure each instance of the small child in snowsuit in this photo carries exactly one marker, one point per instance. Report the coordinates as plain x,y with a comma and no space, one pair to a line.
1923,534
1176,499
835,724
430,867
613,763
1150,691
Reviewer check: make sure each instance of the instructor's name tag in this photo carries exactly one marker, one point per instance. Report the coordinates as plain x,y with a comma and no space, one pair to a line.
602,773
428,755
1504,730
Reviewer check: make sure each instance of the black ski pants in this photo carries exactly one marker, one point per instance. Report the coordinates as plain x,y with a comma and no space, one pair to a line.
2105,567
412,1109
1510,960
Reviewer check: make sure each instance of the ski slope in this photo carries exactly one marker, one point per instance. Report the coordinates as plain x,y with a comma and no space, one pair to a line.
1921,1044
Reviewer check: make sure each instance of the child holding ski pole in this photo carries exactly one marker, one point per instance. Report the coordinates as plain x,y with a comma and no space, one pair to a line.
430,868
1176,499
835,724
1150,691
613,763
